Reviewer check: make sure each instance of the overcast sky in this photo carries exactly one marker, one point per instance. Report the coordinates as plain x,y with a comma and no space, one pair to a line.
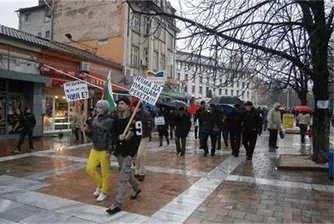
8,16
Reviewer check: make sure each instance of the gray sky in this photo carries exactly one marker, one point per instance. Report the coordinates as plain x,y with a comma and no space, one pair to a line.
8,16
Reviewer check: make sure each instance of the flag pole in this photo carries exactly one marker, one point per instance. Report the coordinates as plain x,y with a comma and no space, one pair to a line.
132,116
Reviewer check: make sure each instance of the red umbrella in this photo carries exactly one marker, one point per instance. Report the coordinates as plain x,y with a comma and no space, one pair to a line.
302,109
193,108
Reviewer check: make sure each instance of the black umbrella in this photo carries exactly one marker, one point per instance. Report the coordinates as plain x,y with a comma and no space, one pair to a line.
177,104
225,100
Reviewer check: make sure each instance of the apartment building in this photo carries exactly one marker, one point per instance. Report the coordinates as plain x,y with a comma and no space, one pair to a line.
199,77
36,20
111,30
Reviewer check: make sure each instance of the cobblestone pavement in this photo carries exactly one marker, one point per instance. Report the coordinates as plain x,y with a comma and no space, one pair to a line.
52,186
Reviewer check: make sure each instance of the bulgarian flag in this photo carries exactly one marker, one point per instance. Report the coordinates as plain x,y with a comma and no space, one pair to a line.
108,93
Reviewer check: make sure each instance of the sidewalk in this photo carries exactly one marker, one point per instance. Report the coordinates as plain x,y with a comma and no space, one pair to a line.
51,186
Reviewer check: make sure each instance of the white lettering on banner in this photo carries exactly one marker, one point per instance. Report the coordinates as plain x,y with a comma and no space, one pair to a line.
76,90
145,90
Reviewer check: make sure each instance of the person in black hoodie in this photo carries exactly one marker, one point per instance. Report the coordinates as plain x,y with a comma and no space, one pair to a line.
163,129
182,128
28,122
126,148
252,126
234,121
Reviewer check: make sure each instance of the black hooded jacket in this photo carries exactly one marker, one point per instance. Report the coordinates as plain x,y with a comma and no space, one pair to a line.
28,120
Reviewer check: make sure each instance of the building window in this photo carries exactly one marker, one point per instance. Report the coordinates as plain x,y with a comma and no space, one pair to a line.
237,92
220,91
134,56
200,90
162,62
226,92
238,84
136,22
145,57
221,81
207,90
242,95
27,17
39,34
193,89
147,25
47,34
247,95
201,79
186,77
243,85
178,76
232,92
156,61
186,89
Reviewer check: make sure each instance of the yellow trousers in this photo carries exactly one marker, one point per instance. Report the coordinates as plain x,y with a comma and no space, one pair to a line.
102,158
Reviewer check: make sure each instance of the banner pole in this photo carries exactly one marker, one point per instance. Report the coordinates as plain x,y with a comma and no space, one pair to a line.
131,118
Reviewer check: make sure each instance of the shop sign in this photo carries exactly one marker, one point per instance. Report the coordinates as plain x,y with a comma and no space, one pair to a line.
156,77
76,90
145,90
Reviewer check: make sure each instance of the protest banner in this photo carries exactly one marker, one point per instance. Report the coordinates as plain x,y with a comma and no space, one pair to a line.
159,121
145,90
76,90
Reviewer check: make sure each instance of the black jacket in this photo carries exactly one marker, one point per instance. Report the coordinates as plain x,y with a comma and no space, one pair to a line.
126,147
28,121
234,121
182,124
147,122
252,121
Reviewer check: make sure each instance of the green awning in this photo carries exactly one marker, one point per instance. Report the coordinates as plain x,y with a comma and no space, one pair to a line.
172,94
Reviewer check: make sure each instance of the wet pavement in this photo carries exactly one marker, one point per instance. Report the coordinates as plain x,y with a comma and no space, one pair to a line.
52,186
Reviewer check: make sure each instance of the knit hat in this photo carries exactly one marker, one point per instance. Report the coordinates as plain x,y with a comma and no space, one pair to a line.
248,103
104,105
125,100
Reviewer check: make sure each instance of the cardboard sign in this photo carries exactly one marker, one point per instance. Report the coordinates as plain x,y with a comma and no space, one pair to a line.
145,90
76,90
159,120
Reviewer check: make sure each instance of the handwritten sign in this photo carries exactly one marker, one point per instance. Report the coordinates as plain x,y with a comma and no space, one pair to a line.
76,90
159,120
145,90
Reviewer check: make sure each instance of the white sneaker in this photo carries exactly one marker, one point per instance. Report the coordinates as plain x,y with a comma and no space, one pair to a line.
97,192
101,197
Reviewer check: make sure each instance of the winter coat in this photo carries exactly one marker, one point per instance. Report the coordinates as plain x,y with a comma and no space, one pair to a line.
252,121
234,121
274,118
210,121
199,115
100,131
28,120
163,128
182,122
147,121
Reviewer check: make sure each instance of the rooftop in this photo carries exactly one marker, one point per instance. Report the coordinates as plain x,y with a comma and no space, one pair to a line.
24,37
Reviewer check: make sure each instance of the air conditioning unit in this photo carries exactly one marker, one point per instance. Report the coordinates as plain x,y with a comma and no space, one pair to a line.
84,67
143,62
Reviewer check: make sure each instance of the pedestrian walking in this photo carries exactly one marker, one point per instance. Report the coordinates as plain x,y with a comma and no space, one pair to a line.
304,120
147,126
196,127
171,122
126,148
27,122
252,127
223,129
79,124
199,117
208,128
274,125
163,128
182,128
153,115
99,130
234,122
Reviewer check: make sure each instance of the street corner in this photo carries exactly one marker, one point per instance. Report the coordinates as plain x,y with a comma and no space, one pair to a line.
32,165
240,202
158,189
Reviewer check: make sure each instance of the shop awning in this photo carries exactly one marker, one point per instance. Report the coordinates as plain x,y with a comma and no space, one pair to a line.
7,74
172,94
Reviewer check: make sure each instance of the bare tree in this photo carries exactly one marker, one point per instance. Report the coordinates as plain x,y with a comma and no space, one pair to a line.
258,31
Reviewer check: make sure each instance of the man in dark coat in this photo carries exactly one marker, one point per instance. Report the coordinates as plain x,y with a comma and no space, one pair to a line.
28,123
163,128
234,121
252,126
182,128
198,116
210,120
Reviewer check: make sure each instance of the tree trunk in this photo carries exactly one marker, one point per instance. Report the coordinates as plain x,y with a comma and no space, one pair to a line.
321,123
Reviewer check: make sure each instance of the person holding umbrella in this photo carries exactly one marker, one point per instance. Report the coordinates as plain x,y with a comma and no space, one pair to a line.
304,120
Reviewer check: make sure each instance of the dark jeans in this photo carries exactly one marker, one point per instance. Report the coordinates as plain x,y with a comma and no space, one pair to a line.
249,141
180,148
196,131
161,136
235,139
23,133
204,142
303,130
225,133
171,132
273,137
76,132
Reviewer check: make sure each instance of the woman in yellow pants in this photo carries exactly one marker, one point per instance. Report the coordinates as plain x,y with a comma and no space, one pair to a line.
100,132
